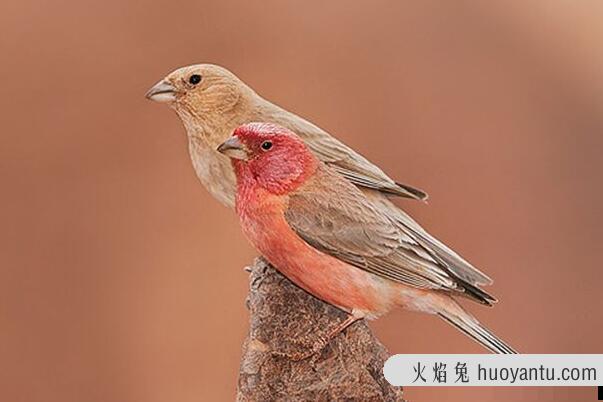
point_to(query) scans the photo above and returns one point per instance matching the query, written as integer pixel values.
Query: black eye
(266, 145)
(194, 79)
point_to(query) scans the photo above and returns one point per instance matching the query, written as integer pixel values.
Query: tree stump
(349, 368)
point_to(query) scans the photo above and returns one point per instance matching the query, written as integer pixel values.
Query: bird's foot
(314, 347)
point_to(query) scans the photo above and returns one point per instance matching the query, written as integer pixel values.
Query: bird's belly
(322, 275)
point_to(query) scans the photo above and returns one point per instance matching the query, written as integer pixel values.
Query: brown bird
(212, 102)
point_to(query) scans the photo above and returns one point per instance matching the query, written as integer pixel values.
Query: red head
(274, 157)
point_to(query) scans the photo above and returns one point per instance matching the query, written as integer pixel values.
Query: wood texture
(286, 319)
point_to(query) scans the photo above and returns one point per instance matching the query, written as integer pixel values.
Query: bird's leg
(322, 341)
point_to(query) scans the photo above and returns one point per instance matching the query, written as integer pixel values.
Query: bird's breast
(214, 170)
(322, 275)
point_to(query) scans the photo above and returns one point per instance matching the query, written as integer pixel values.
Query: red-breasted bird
(211, 102)
(326, 236)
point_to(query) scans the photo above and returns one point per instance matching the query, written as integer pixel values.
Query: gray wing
(334, 217)
(436, 249)
(342, 158)
(359, 170)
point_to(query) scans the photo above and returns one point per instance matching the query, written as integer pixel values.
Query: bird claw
(314, 348)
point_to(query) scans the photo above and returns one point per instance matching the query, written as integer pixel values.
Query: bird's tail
(455, 315)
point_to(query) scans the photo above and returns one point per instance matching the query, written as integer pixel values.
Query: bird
(328, 237)
(212, 102)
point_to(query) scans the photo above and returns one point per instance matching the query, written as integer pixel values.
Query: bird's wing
(456, 264)
(342, 158)
(358, 169)
(335, 217)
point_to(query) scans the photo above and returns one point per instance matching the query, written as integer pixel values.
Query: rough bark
(283, 318)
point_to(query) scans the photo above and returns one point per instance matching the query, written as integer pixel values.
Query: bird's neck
(205, 131)
(252, 199)
(212, 168)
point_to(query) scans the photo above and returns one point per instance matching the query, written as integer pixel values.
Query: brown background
(121, 280)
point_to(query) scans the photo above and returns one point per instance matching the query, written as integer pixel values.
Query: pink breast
(322, 275)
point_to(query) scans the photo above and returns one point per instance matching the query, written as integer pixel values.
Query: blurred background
(121, 279)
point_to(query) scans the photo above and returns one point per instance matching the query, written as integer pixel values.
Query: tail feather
(471, 327)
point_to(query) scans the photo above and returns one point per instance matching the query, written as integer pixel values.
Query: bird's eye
(194, 79)
(266, 145)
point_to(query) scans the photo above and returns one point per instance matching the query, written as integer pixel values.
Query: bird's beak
(234, 148)
(162, 92)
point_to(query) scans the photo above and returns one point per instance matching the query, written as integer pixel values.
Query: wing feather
(335, 217)
(333, 152)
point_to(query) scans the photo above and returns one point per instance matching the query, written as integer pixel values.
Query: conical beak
(162, 92)
(234, 148)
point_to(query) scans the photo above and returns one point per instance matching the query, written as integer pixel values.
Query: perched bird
(211, 102)
(327, 237)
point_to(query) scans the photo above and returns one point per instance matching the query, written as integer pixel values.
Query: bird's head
(203, 91)
(271, 155)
